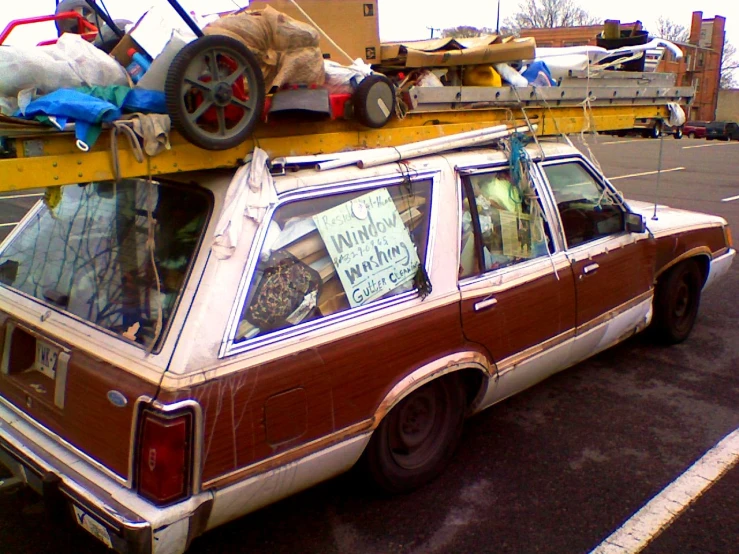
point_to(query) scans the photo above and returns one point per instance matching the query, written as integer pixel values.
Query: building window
(575, 43)
(700, 59)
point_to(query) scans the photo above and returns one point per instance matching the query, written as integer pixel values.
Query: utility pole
(497, 21)
(432, 29)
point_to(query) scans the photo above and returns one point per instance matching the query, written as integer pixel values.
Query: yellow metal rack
(33, 156)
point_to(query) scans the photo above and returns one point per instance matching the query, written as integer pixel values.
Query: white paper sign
(370, 247)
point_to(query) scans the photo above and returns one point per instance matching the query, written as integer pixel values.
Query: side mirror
(635, 223)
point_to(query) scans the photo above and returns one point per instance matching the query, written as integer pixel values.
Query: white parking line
(645, 173)
(730, 199)
(20, 196)
(9, 224)
(622, 141)
(708, 145)
(646, 524)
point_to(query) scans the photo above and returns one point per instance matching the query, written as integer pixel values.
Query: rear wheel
(676, 302)
(691, 135)
(417, 439)
(678, 133)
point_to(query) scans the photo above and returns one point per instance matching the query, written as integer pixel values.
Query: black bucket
(626, 39)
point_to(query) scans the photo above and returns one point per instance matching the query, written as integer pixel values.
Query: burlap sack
(287, 49)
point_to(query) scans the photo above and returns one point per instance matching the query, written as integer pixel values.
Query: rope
(150, 246)
(310, 20)
(528, 122)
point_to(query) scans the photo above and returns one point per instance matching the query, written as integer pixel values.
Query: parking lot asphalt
(555, 469)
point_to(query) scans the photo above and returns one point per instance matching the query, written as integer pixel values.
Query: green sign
(369, 245)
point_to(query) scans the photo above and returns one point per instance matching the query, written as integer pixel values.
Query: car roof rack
(35, 156)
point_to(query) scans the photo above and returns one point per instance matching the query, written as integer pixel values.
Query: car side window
(588, 210)
(333, 252)
(502, 223)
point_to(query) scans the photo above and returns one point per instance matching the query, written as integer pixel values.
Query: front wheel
(678, 133)
(416, 440)
(676, 302)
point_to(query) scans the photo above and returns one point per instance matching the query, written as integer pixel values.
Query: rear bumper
(102, 506)
(719, 267)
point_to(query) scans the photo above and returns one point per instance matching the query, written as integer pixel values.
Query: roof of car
(308, 176)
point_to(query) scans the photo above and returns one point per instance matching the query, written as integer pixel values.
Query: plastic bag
(428, 79)
(341, 79)
(71, 62)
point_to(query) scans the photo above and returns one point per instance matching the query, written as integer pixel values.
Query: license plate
(95, 528)
(46, 358)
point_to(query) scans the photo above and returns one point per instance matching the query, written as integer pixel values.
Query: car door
(613, 268)
(517, 290)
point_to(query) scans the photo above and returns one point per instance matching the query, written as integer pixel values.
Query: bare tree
(669, 30)
(729, 65)
(466, 31)
(550, 13)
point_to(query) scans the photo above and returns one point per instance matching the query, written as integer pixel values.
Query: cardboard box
(352, 24)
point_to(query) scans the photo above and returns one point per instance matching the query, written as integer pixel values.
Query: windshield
(113, 254)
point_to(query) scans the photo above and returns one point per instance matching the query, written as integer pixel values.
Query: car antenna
(659, 173)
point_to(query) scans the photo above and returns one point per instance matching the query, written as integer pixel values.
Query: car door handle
(487, 303)
(588, 269)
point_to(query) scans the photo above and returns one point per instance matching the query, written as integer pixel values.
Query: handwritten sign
(369, 246)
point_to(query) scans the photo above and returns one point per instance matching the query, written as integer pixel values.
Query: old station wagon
(168, 365)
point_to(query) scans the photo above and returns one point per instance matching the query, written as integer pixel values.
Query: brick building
(700, 65)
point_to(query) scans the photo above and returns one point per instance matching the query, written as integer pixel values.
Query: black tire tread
(390, 480)
(664, 328)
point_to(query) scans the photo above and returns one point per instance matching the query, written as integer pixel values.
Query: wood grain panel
(673, 246)
(525, 315)
(88, 421)
(623, 274)
(343, 383)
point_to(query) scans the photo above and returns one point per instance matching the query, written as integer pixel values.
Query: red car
(695, 129)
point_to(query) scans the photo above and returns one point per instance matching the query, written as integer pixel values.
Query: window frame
(545, 202)
(229, 346)
(598, 178)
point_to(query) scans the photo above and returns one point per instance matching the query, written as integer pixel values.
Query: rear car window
(113, 254)
(330, 253)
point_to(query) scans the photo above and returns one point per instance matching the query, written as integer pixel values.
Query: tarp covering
(287, 49)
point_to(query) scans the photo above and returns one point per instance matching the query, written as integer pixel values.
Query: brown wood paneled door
(612, 267)
(517, 292)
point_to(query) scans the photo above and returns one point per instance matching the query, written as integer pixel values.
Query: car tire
(678, 134)
(655, 131)
(416, 440)
(691, 135)
(676, 302)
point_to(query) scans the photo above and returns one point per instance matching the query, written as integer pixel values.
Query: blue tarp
(88, 111)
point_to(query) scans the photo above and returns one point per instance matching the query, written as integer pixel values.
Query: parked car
(695, 129)
(654, 128)
(722, 130)
(168, 364)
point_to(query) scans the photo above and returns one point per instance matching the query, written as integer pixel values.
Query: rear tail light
(729, 238)
(164, 464)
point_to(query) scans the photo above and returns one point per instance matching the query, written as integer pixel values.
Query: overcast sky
(410, 19)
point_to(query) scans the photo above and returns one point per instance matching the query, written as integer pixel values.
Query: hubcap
(222, 94)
